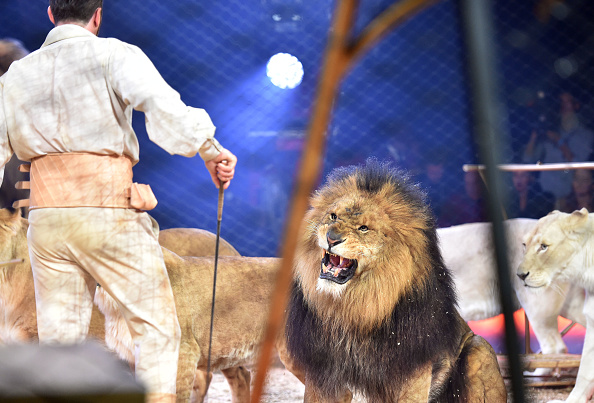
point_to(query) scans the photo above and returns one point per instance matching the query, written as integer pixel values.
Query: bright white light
(284, 70)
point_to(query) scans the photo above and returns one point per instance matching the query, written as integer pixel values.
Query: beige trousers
(72, 249)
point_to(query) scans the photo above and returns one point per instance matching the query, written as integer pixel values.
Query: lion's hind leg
(189, 354)
(201, 382)
(239, 383)
(479, 372)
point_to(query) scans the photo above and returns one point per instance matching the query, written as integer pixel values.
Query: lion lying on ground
(561, 247)
(373, 309)
(468, 251)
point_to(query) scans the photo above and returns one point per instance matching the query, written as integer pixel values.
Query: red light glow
(493, 331)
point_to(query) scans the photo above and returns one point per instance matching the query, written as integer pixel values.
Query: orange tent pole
(340, 55)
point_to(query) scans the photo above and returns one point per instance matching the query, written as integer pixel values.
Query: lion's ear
(578, 219)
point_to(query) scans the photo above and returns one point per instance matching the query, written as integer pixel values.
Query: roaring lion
(561, 247)
(373, 308)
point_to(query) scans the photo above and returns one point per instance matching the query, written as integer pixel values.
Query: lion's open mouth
(337, 268)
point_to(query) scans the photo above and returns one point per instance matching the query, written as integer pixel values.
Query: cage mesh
(405, 101)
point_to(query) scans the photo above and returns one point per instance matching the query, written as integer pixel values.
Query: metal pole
(479, 37)
(340, 54)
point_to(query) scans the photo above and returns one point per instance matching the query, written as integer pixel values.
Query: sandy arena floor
(283, 387)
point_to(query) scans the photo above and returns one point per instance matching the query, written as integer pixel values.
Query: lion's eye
(363, 228)
(524, 247)
(543, 247)
(333, 216)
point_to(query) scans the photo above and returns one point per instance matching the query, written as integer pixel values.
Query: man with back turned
(67, 108)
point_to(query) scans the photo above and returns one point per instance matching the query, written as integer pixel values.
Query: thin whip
(216, 261)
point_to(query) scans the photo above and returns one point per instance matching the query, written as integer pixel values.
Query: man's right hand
(222, 168)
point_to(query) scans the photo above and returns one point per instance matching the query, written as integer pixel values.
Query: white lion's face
(550, 248)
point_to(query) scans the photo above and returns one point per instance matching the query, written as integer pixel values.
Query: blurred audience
(581, 195)
(434, 180)
(468, 206)
(567, 141)
(527, 199)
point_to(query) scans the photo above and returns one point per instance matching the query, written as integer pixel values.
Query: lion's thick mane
(398, 312)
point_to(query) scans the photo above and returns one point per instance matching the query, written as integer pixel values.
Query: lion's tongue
(339, 262)
(334, 260)
(337, 269)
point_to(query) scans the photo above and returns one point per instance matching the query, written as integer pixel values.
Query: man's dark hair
(74, 10)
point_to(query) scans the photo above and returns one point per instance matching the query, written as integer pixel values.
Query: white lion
(561, 248)
(468, 251)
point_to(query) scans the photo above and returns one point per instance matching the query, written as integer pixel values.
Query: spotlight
(284, 70)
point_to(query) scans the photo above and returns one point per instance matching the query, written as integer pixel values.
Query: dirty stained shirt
(77, 93)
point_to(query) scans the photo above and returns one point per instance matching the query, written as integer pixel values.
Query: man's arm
(170, 123)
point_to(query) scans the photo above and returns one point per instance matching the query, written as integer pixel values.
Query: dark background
(406, 101)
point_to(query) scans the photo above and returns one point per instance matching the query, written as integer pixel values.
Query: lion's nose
(333, 238)
(523, 275)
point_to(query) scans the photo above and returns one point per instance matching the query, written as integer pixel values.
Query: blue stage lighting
(284, 70)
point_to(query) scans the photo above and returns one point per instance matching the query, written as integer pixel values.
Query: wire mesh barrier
(405, 101)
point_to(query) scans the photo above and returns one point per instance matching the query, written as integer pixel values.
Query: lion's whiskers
(558, 289)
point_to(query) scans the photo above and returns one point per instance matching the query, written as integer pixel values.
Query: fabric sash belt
(86, 180)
